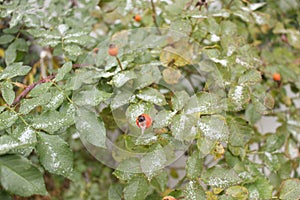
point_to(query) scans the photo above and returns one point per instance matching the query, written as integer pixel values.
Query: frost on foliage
(184, 127)
(52, 121)
(219, 177)
(56, 100)
(153, 96)
(7, 119)
(90, 96)
(153, 161)
(146, 139)
(223, 62)
(205, 103)
(239, 96)
(55, 154)
(121, 78)
(214, 128)
(7, 143)
(27, 136)
(120, 99)
(13, 70)
(194, 191)
(163, 118)
(19, 139)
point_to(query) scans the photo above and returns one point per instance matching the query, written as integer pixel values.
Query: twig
(154, 17)
(30, 87)
(119, 62)
(229, 4)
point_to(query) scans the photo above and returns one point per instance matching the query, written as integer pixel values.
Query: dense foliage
(206, 72)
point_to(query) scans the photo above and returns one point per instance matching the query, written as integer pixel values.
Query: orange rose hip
(137, 18)
(113, 50)
(143, 121)
(276, 77)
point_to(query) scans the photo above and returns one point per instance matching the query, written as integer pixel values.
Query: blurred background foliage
(228, 55)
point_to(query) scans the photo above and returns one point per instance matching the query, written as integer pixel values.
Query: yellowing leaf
(171, 76)
(174, 57)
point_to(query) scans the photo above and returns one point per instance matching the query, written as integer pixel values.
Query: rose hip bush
(202, 70)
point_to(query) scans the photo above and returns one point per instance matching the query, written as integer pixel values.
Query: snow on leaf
(153, 96)
(55, 154)
(214, 127)
(121, 78)
(153, 161)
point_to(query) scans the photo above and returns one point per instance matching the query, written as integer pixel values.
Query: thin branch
(154, 17)
(119, 62)
(30, 87)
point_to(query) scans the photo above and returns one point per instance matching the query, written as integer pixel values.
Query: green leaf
(159, 182)
(52, 121)
(7, 143)
(90, 127)
(10, 54)
(136, 189)
(28, 105)
(153, 96)
(147, 76)
(115, 192)
(294, 38)
(214, 127)
(7, 91)
(240, 131)
(80, 38)
(4, 195)
(260, 189)
(290, 189)
(128, 168)
(184, 127)
(193, 190)
(26, 139)
(66, 68)
(194, 165)
(40, 89)
(13, 70)
(220, 177)
(123, 77)
(274, 141)
(55, 154)
(179, 100)
(146, 139)
(90, 96)
(237, 192)
(121, 99)
(153, 161)
(163, 118)
(20, 177)
(56, 100)
(205, 103)
(251, 114)
(72, 50)
(7, 119)
(239, 96)
(250, 77)
(205, 145)
(5, 39)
